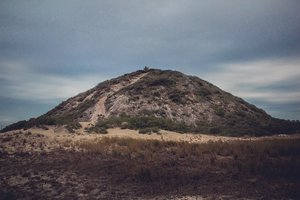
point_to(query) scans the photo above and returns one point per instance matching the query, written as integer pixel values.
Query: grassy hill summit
(152, 99)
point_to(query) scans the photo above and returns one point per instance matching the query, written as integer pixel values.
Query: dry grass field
(54, 164)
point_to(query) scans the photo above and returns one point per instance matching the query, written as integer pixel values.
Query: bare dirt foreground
(54, 164)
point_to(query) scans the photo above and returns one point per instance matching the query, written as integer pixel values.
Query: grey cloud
(123, 30)
(73, 39)
(288, 111)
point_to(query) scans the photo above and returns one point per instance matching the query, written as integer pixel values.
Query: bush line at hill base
(43, 121)
(145, 125)
(151, 124)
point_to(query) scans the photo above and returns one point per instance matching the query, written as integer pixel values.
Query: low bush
(146, 124)
(177, 96)
(220, 112)
(43, 120)
(72, 126)
(124, 125)
(96, 129)
(149, 130)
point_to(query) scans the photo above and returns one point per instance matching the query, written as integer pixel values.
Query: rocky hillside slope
(185, 99)
(155, 92)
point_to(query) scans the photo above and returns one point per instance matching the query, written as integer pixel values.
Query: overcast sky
(53, 50)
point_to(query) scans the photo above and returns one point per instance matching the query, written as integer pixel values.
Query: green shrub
(177, 96)
(86, 104)
(203, 92)
(157, 94)
(101, 130)
(15, 126)
(214, 130)
(145, 131)
(163, 81)
(143, 123)
(96, 129)
(220, 112)
(72, 126)
(45, 120)
(149, 130)
(241, 114)
(124, 125)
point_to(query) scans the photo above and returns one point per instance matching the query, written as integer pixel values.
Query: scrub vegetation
(171, 165)
(145, 124)
(270, 157)
(44, 120)
(35, 167)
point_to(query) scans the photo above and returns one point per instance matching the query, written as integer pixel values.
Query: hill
(153, 99)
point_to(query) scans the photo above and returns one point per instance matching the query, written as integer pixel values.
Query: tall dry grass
(163, 161)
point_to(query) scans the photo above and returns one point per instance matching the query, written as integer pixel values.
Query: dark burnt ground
(144, 175)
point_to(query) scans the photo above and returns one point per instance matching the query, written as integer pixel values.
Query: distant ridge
(197, 104)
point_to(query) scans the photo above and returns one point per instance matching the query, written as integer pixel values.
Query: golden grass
(270, 148)
(271, 156)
